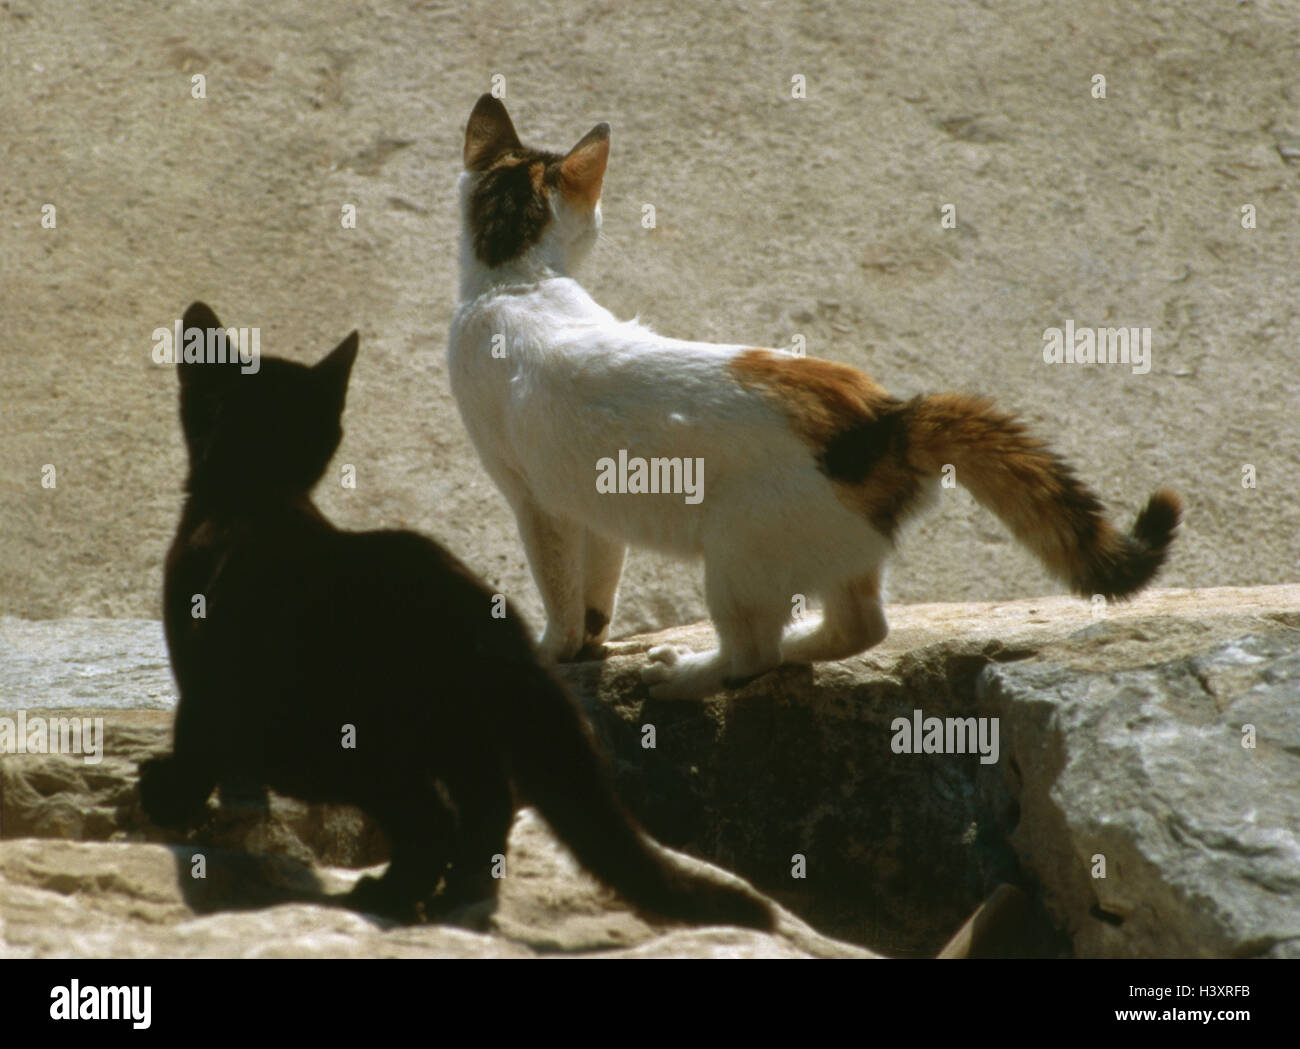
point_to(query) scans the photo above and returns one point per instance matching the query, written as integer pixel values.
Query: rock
(124, 888)
(900, 849)
(84, 662)
(1119, 735)
(993, 931)
(1146, 768)
(52, 796)
(132, 900)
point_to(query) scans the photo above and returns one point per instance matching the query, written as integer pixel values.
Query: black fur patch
(879, 443)
(852, 454)
(1124, 567)
(508, 212)
(596, 622)
(1083, 511)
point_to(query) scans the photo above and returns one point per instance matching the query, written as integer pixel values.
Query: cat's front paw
(559, 646)
(166, 796)
(591, 653)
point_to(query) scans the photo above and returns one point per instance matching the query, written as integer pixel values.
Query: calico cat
(809, 467)
(367, 668)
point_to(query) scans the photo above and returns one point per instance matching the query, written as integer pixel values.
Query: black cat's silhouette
(367, 668)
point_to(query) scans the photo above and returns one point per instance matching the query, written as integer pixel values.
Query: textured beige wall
(776, 216)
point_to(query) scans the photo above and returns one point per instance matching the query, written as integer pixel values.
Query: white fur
(577, 385)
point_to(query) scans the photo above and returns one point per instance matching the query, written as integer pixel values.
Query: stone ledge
(1117, 739)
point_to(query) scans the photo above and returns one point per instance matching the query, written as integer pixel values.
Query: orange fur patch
(1014, 475)
(878, 451)
(822, 399)
(582, 172)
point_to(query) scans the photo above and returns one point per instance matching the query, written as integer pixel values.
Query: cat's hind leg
(420, 829)
(602, 565)
(852, 621)
(554, 547)
(749, 622)
(485, 807)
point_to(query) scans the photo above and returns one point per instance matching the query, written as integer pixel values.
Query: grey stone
(1146, 767)
(57, 663)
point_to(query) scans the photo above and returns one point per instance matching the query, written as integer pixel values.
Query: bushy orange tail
(1037, 495)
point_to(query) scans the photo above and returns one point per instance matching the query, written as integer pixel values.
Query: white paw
(681, 674)
(662, 666)
(667, 654)
(557, 646)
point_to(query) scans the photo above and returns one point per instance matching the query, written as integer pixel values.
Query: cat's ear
(199, 315)
(488, 134)
(583, 170)
(333, 369)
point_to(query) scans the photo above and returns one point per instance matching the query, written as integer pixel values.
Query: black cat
(315, 638)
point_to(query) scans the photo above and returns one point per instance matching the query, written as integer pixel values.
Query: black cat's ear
(488, 134)
(583, 170)
(335, 368)
(199, 316)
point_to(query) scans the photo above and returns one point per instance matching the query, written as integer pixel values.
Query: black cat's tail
(559, 768)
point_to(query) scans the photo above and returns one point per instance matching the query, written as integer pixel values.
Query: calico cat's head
(261, 434)
(516, 200)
